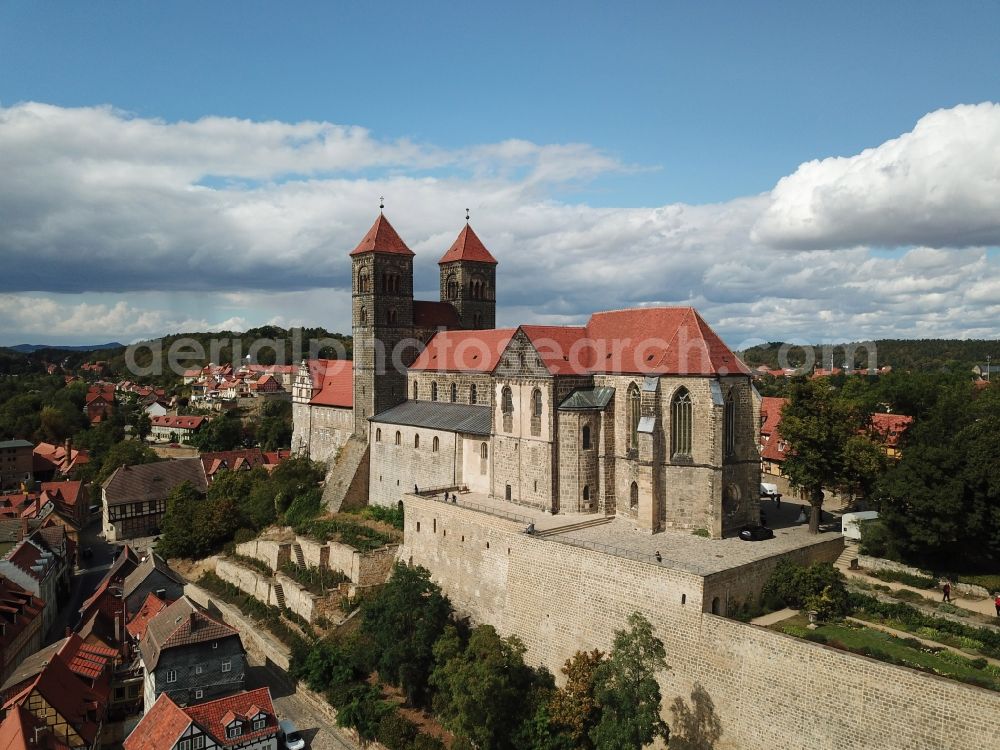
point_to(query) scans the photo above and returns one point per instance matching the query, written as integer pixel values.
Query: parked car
(290, 736)
(756, 533)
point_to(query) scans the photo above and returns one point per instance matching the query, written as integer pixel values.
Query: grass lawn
(885, 647)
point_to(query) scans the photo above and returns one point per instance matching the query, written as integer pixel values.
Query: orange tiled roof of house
(890, 427)
(151, 607)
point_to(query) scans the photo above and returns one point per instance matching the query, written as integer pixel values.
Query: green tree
(481, 689)
(177, 527)
(274, 433)
(142, 425)
(125, 453)
(404, 620)
(574, 707)
(818, 427)
(626, 689)
(224, 433)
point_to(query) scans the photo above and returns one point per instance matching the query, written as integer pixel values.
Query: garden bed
(318, 581)
(358, 533)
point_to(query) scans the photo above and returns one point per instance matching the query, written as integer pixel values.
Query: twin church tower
(385, 316)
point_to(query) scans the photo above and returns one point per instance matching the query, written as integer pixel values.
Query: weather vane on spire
(466, 214)
(381, 203)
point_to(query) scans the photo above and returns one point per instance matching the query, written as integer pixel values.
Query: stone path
(772, 617)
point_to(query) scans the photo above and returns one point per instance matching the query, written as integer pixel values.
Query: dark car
(756, 533)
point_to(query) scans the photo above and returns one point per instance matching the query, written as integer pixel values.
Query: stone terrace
(525, 514)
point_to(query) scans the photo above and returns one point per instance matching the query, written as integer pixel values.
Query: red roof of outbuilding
(382, 238)
(464, 351)
(467, 246)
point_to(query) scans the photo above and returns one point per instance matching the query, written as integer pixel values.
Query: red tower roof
(382, 238)
(468, 247)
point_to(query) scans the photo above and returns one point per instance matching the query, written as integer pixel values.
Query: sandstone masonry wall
(766, 689)
(261, 587)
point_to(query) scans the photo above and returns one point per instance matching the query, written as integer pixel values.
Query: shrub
(907, 595)
(819, 586)
(951, 609)
(318, 581)
(875, 539)
(701, 532)
(390, 515)
(978, 663)
(396, 732)
(426, 742)
(244, 535)
(918, 582)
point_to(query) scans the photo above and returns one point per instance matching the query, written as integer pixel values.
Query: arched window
(477, 320)
(378, 435)
(454, 393)
(586, 493)
(729, 424)
(586, 437)
(362, 282)
(484, 451)
(416, 441)
(633, 496)
(434, 390)
(452, 286)
(680, 423)
(399, 438)
(363, 314)
(435, 444)
(507, 401)
(634, 409)
(392, 317)
(536, 403)
(416, 390)
(506, 495)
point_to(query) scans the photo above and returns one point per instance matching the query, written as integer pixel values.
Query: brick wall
(767, 690)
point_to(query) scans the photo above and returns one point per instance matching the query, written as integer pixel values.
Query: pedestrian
(659, 558)
(416, 490)
(947, 592)
(996, 603)
(777, 500)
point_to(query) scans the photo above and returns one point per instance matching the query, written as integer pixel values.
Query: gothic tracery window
(681, 423)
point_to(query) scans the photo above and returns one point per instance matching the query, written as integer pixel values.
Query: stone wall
(270, 551)
(373, 568)
(320, 429)
(261, 587)
(396, 468)
(765, 689)
(363, 568)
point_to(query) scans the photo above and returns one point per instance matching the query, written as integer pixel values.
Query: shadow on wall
(694, 727)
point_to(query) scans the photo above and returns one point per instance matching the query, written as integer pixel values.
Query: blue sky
(667, 104)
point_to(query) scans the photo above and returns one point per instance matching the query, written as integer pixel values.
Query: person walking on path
(996, 603)
(947, 592)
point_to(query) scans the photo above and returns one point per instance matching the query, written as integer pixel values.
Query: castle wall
(462, 380)
(321, 430)
(396, 468)
(766, 689)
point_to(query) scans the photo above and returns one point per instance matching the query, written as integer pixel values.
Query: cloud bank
(118, 226)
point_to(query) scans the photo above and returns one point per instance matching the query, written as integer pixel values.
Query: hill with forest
(900, 354)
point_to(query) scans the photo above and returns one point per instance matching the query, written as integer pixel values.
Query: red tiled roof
(186, 423)
(180, 624)
(468, 247)
(428, 314)
(22, 730)
(27, 554)
(770, 412)
(335, 380)
(556, 346)
(160, 728)
(66, 492)
(213, 716)
(18, 609)
(464, 351)
(150, 608)
(382, 238)
(890, 427)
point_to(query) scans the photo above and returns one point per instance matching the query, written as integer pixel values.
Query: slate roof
(130, 484)
(16, 444)
(468, 247)
(153, 562)
(182, 623)
(587, 399)
(382, 238)
(439, 415)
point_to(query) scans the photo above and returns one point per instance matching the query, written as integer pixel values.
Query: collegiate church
(641, 413)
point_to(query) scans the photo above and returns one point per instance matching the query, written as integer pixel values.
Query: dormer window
(259, 723)
(234, 730)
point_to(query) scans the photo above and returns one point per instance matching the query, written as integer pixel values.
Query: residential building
(245, 720)
(20, 625)
(772, 446)
(53, 462)
(16, 463)
(888, 429)
(39, 568)
(100, 402)
(151, 576)
(243, 459)
(174, 429)
(134, 498)
(190, 655)
(71, 500)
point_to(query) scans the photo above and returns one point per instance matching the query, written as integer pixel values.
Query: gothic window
(452, 287)
(416, 441)
(536, 403)
(633, 496)
(586, 437)
(634, 410)
(729, 425)
(472, 393)
(435, 444)
(454, 393)
(416, 390)
(507, 401)
(484, 451)
(399, 438)
(680, 423)
(586, 494)
(378, 435)
(363, 315)
(434, 390)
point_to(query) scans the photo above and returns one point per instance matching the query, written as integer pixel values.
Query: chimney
(68, 447)
(194, 621)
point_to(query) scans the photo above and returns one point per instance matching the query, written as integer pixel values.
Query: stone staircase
(575, 526)
(279, 594)
(297, 557)
(850, 553)
(347, 477)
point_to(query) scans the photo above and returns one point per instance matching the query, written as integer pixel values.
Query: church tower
(468, 280)
(382, 316)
